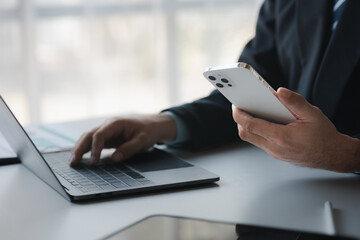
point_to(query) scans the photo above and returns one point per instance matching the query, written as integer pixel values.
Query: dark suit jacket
(294, 47)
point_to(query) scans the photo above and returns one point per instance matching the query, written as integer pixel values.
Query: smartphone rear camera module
(212, 78)
(219, 85)
(224, 80)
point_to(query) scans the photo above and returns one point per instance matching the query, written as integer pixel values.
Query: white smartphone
(247, 90)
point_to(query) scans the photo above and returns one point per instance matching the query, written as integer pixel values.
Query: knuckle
(97, 136)
(238, 115)
(243, 134)
(118, 122)
(142, 140)
(142, 136)
(112, 123)
(248, 126)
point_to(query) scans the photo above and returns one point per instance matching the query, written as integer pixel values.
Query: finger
(128, 149)
(268, 146)
(101, 139)
(296, 103)
(256, 126)
(82, 146)
(97, 146)
(253, 138)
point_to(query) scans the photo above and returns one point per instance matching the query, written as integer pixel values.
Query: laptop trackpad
(155, 160)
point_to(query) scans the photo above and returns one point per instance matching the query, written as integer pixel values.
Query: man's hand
(312, 140)
(127, 135)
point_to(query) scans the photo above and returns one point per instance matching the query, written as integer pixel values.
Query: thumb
(128, 149)
(296, 103)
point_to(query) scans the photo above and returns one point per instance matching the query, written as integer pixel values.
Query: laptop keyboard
(96, 178)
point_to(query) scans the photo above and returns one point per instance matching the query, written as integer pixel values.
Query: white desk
(254, 188)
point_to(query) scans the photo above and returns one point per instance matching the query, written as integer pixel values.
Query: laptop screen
(25, 149)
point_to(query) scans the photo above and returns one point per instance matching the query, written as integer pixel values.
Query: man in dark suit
(310, 47)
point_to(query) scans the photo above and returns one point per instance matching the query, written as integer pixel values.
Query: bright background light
(63, 60)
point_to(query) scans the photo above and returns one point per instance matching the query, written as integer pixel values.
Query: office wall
(71, 59)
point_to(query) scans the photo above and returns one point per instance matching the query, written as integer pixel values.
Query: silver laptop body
(151, 170)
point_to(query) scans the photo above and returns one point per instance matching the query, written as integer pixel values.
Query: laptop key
(119, 185)
(143, 180)
(107, 187)
(107, 178)
(113, 180)
(86, 184)
(93, 187)
(119, 175)
(100, 181)
(134, 175)
(99, 177)
(130, 182)
(84, 190)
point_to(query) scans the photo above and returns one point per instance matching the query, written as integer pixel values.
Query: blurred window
(70, 59)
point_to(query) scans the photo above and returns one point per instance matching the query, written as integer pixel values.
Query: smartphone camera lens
(219, 85)
(229, 85)
(212, 78)
(224, 80)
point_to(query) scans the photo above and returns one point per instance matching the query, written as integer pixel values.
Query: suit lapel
(313, 28)
(340, 58)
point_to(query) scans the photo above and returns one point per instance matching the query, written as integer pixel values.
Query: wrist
(165, 127)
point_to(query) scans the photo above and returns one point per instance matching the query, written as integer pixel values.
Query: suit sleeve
(209, 120)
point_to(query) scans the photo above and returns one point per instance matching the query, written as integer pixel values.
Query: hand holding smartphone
(247, 90)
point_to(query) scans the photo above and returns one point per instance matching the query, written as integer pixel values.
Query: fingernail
(118, 157)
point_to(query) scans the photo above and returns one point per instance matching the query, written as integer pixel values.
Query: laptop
(152, 170)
